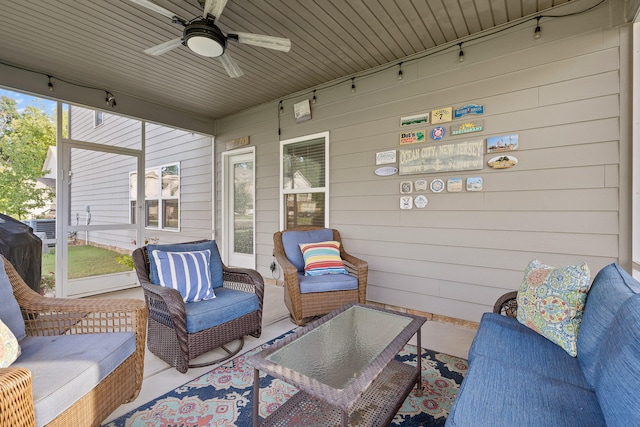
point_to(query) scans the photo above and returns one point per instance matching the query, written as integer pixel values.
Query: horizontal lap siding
(561, 203)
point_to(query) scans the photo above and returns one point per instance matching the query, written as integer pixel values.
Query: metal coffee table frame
(372, 398)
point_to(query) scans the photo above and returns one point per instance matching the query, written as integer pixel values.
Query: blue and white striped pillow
(186, 272)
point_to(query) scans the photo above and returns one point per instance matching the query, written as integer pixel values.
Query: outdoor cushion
(9, 309)
(66, 367)
(229, 304)
(619, 368)
(291, 241)
(215, 264)
(322, 258)
(186, 272)
(497, 394)
(9, 347)
(526, 349)
(611, 288)
(551, 301)
(333, 282)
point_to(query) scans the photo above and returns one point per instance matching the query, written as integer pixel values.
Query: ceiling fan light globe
(205, 46)
(204, 38)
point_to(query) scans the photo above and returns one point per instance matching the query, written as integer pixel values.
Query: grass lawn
(86, 261)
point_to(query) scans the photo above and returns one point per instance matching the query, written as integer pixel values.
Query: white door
(238, 208)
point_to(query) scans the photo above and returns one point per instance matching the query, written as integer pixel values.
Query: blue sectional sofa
(519, 378)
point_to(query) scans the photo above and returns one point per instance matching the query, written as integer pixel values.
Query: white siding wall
(568, 199)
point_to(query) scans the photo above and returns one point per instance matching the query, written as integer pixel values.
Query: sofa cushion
(291, 242)
(9, 309)
(498, 394)
(9, 347)
(229, 304)
(618, 371)
(215, 264)
(186, 272)
(610, 289)
(66, 367)
(506, 340)
(333, 282)
(551, 301)
(322, 258)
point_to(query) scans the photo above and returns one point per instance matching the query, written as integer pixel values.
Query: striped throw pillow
(322, 258)
(186, 272)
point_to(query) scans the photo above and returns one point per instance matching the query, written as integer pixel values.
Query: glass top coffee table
(343, 364)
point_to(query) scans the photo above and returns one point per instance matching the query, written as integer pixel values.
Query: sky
(24, 100)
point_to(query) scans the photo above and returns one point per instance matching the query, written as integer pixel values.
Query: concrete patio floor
(160, 378)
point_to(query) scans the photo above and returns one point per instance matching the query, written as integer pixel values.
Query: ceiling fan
(203, 36)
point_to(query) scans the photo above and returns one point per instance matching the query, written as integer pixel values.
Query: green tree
(25, 139)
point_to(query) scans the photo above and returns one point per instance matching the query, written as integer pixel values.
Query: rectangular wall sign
(467, 127)
(238, 142)
(414, 137)
(386, 157)
(457, 156)
(468, 109)
(441, 115)
(414, 120)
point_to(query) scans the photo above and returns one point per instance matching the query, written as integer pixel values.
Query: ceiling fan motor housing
(205, 38)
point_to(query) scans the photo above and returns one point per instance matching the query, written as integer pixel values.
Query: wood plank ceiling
(101, 43)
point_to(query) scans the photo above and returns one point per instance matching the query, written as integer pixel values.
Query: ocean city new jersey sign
(456, 156)
(468, 109)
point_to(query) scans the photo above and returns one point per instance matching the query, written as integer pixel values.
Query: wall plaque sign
(441, 115)
(421, 184)
(406, 202)
(238, 142)
(437, 133)
(456, 156)
(467, 127)
(454, 185)
(496, 144)
(468, 109)
(421, 201)
(385, 157)
(474, 183)
(502, 162)
(406, 187)
(386, 171)
(414, 137)
(437, 185)
(414, 120)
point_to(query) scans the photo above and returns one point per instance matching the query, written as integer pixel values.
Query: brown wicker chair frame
(52, 316)
(507, 304)
(307, 306)
(167, 335)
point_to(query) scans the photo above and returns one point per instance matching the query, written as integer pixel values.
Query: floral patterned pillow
(551, 301)
(9, 347)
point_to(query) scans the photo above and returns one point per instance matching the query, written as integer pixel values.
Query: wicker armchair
(507, 304)
(168, 337)
(303, 306)
(53, 316)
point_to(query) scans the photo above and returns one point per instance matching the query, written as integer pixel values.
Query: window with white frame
(98, 118)
(304, 177)
(162, 197)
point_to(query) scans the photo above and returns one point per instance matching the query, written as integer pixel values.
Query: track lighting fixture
(536, 33)
(353, 85)
(400, 71)
(314, 99)
(110, 100)
(461, 53)
(50, 84)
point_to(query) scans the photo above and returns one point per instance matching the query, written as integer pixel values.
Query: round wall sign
(437, 185)
(420, 201)
(438, 133)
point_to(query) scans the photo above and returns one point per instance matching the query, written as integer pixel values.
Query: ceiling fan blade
(164, 47)
(230, 65)
(270, 42)
(154, 7)
(208, 7)
(218, 7)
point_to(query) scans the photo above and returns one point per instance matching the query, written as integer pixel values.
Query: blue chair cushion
(9, 309)
(215, 264)
(229, 304)
(291, 241)
(66, 367)
(327, 282)
(186, 272)
(506, 340)
(494, 393)
(618, 374)
(610, 289)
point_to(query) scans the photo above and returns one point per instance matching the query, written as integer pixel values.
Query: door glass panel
(243, 207)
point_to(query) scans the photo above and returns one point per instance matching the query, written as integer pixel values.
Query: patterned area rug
(223, 396)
